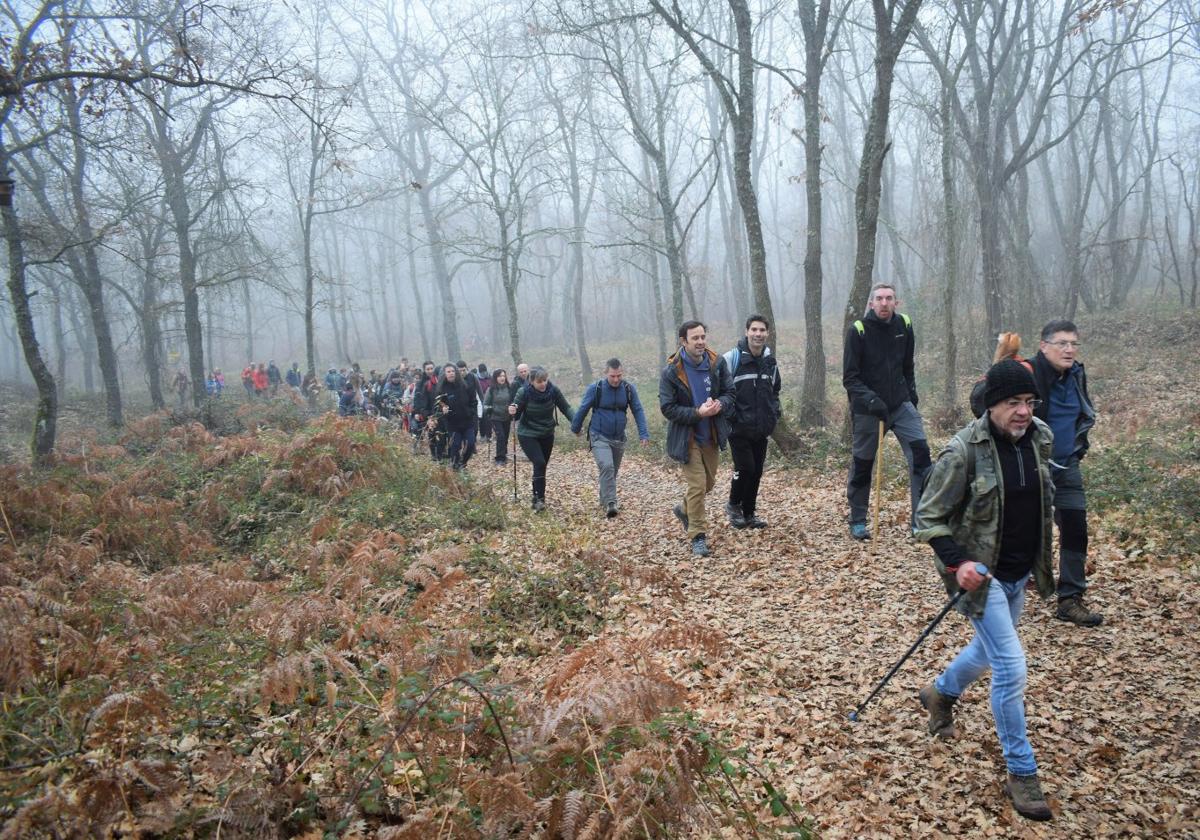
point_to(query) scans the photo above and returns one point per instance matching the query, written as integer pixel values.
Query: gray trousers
(608, 454)
(905, 423)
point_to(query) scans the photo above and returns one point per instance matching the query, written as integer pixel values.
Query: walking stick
(981, 569)
(512, 431)
(878, 486)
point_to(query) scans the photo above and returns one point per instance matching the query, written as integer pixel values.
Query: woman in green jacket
(534, 408)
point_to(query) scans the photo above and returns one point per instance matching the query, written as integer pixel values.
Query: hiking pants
(537, 450)
(700, 473)
(749, 458)
(997, 646)
(608, 453)
(905, 424)
(1070, 512)
(500, 428)
(462, 445)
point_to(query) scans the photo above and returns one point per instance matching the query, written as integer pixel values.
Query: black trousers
(500, 433)
(749, 458)
(537, 450)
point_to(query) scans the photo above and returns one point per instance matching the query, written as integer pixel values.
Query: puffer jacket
(676, 404)
(495, 404)
(535, 410)
(962, 500)
(461, 401)
(756, 385)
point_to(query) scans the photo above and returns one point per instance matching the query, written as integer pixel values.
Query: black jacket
(1045, 375)
(461, 400)
(423, 397)
(756, 385)
(878, 363)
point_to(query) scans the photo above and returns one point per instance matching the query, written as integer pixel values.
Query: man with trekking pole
(989, 499)
(877, 373)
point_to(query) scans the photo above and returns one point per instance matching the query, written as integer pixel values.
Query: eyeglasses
(1063, 345)
(1014, 403)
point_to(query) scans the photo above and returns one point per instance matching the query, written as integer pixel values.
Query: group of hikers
(987, 506)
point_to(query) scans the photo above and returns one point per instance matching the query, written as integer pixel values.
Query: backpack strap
(907, 321)
(733, 358)
(861, 327)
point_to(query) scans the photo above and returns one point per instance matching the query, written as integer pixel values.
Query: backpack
(980, 387)
(596, 402)
(862, 329)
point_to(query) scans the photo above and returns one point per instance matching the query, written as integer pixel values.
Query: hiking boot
(681, 516)
(612, 510)
(700, 546)
(734, 513)
(859, 531)
(1027, 797)
(941, 712)
(539, 504)
(1072, 610)
(755, 522)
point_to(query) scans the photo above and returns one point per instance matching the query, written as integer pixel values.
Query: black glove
(912, 398)
(877, 408)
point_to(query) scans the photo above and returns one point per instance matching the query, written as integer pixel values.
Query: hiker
(274, 377)
(181, 383)
(988, 499)
(248, 379)
(424, 408)
(485, 382)
(609, 400)
(495, 409)
(293, 377)
(695, 394)
(261, 383)
(756, 410)
(877, 372)
(533, 409)
(1008, 346)
(457, 415)
(1067, 408)
(522, 376)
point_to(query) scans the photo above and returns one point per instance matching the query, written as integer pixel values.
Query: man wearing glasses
(1067, 409)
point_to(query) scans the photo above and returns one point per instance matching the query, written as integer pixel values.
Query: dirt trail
(812, 620)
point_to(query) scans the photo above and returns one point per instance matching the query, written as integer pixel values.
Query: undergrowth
(314, 633)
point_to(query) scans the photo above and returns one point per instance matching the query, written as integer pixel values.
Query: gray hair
(538, 374)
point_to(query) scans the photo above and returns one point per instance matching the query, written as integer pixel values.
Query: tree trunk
(46, 416)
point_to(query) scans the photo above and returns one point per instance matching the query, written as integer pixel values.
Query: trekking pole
(878, 488)
(513, 432)
(981, 569)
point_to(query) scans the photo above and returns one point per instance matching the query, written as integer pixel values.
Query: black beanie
(1008, 379)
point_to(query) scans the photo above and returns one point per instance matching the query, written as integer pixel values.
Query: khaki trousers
(700, 473)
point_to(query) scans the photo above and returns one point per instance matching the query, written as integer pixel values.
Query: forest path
(810, 620)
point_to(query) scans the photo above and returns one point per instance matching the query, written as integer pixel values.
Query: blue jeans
(997, 646)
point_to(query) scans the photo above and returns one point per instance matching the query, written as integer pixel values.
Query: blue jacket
(609, 406)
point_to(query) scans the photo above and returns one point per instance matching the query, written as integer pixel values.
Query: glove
(877, 408)
(912, 398)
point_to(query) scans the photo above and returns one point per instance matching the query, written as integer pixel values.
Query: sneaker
(700, 546)
(611, 512)
(1072, 610)
(1027, 797)
(680, 515)
(539, 504)
(941, 712)
(734, 513)
(755, 522)
(859, 531)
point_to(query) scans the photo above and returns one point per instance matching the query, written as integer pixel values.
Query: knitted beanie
(1006, 379)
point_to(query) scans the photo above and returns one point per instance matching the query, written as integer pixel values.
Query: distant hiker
(533, 409)
(261, 383)
(1067, 408)
(274, 378)
(695, 394)
(609, 400)
(351, 401)
(877, 372)
(988, 500)
(248, 379)
(424, 408)
(756, 410)
(495, 408)
(181, 384)
(458, 414)
(522, 376)
(485, 382)
(309, 387)
(293, 377)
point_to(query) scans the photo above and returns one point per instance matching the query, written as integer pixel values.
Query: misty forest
(239, 598)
